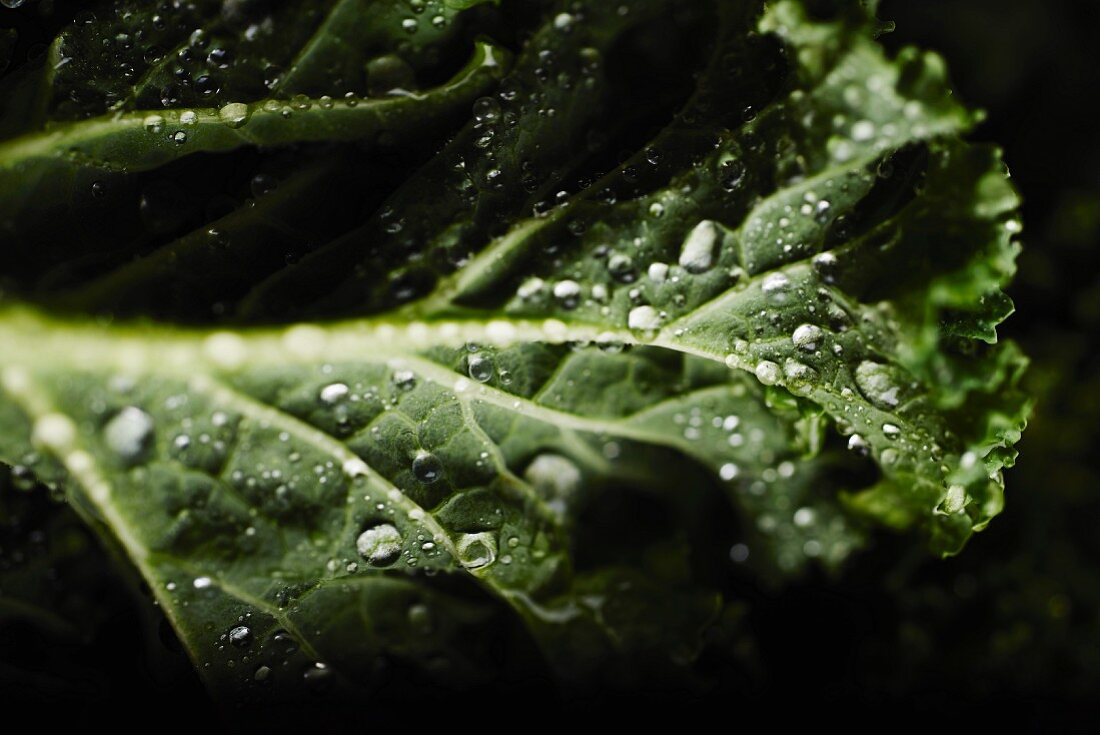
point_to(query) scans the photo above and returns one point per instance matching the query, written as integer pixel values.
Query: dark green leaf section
(137, 56)
(142, 140)
(350, 487)
(827, 245)
(695, 284)
(554, 113)
(31, 166)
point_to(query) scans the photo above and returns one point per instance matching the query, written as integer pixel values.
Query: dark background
(1010, 629)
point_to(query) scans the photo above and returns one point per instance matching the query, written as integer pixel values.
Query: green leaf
(523, 380)
(143, 140)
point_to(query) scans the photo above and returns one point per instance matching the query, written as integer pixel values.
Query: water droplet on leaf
(480, 368)
(129, 434)
(567, 293)
(807, 337)
(644, 319)
(334, 393)
(240, 636)
(477, 550)
(768, 372)
(427, 468)
(877, 383)
(697, 254)
(380, 545)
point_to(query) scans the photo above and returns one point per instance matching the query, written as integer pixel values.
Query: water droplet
(644, 319)
(774, 283)
(154, 124)
(531, 288)
(171, 95)
(768, 372)
(891, 431)
(657, 272)
(201, 583)
(129, 433)
(404, 379)
(877, 383)
(240, 636)
(179, 137)
(235, 114)
(263, 673)
(608, 342)
(334, 393)
(807, 337)
(858, 444)
(732, 175)
(621, 267)
(487, 110)
(380, 545)
(825, 264)
(697, 254)
(739, 553)
(476, 550)
(220, 57)
(568, 293)
(480, 368)
(729, 471)
(427, 468)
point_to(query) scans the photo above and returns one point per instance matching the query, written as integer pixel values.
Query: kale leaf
(389, 331)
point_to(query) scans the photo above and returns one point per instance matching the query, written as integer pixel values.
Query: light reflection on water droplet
(477, 550)
(427, 468)
(380, 545)
(129, 434)
(240, 636)
(334, 392)
(235, 114)
(480, 368)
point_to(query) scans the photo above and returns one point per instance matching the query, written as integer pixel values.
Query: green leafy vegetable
(354, 363)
